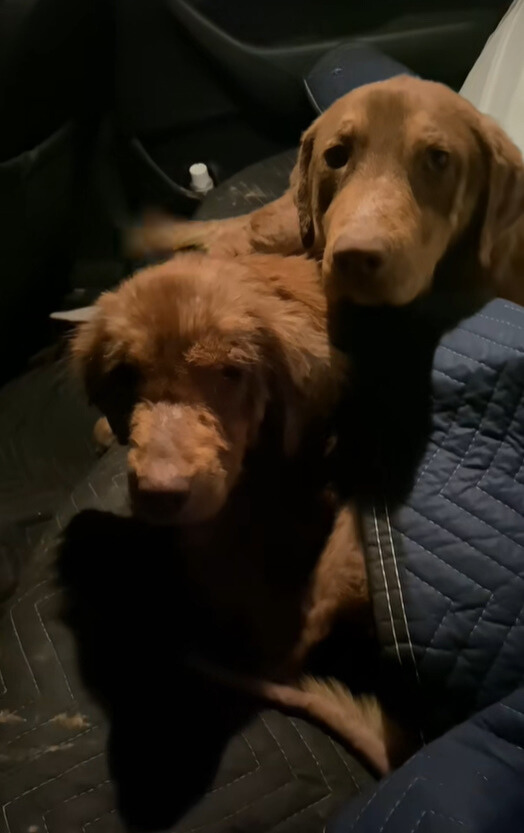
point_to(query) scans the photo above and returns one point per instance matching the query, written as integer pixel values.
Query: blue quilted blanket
(447, 573)
(447, 569)
(469, 781)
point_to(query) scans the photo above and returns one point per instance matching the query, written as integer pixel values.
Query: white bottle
(201, 181)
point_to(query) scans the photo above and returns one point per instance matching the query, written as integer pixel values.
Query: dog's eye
(438, 159)
(232, 372)
(337, 156)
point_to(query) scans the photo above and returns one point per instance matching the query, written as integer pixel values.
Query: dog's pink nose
(358, 257)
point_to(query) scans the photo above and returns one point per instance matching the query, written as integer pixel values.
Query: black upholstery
(249, 189)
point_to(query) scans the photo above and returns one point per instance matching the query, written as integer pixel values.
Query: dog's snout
(358, 257)
(175, 488)
(159, 493)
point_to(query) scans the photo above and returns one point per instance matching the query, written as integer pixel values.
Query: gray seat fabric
(106, 635)
(45, 448)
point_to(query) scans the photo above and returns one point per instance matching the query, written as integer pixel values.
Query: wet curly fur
(219, 375)
(188, 359)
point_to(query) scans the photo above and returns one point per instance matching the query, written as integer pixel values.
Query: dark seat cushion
(248, 190)
(45, 448)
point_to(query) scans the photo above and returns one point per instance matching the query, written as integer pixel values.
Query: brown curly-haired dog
(187, 359)
(220, 376)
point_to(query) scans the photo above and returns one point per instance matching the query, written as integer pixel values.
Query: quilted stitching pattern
(460, 539)
(276, 773)
(45, 448)
(469, 780)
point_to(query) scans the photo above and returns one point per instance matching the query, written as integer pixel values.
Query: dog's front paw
(103, 435)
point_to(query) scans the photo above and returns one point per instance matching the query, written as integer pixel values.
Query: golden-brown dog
(216, 372)
(390, 180)
(184, 360)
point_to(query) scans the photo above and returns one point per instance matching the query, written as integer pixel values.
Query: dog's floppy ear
(90, 348)
(97, 358)
(505, 189)
(302, 188)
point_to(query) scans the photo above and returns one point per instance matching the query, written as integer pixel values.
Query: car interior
(104, 108)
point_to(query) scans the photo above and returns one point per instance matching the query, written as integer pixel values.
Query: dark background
(104, 105)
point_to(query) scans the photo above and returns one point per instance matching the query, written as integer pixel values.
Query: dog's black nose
(357, 257)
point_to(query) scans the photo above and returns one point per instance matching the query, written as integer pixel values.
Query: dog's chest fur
(248, 571)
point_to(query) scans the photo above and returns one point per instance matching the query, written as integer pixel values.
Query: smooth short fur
(389, 181)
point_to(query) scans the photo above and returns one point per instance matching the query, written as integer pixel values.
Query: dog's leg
(272, 229)
(338, 589)
(103, 435)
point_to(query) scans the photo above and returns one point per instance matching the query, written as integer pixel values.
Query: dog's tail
(358, 721)
(159, 234)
